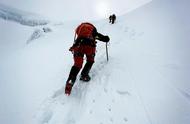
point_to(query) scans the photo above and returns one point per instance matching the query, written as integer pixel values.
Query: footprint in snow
(185, 94)
(125, 119)
(123, 92)
(46, 117)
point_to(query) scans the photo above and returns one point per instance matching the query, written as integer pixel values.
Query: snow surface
(145, 81)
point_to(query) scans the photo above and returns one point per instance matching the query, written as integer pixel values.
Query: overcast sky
(75, 9)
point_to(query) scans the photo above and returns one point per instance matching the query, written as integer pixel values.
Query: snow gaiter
(73, 74)
(87, 68)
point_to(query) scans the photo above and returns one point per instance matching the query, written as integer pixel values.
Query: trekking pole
(107, 51)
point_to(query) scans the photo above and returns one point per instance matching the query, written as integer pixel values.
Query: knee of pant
(78, 61)
(90, 58)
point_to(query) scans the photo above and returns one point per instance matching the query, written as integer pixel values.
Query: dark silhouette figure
(112, 18)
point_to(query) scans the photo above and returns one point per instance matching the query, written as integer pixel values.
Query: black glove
(106, 38)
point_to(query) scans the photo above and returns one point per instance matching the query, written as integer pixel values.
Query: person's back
(113, 18)
(85, 30)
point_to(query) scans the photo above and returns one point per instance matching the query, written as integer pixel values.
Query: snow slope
(145, 80)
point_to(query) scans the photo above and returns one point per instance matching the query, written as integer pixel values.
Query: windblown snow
(145, 81)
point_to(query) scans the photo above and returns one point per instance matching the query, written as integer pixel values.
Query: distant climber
(112, 18)
(84, 44)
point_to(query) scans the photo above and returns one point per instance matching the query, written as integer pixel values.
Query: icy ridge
(24, 18)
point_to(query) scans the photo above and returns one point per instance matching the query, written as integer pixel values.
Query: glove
(106, 38)
(71, 49)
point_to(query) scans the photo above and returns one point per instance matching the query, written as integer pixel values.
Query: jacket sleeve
(99, 36)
